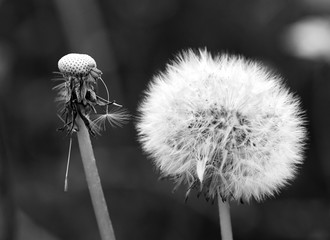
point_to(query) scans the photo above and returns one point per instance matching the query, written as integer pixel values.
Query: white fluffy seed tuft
(222, 125)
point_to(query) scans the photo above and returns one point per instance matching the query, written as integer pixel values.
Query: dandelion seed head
(222, 124)
(76, 64)
(78, 96)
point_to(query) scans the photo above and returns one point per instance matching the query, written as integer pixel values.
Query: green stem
(225, 222)
(94, 183)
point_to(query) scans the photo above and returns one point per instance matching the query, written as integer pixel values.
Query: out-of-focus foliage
(131, 41)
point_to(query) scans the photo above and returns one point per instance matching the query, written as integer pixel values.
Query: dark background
(131, 40)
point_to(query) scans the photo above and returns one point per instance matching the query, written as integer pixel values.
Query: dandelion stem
(94, 183)
(225, 222)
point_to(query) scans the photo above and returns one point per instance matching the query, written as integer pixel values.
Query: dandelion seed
(224, 122)
(116, 118)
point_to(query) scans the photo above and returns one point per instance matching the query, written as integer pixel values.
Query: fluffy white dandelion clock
(223, 125)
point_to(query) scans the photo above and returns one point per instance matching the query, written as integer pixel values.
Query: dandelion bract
(222, 125)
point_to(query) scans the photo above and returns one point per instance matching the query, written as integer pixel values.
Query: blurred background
(132, 40)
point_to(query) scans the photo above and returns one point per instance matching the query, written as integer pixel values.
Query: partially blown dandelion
(223, 125)
(77, 94)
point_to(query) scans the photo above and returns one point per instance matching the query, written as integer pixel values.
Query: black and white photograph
(165, 120)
